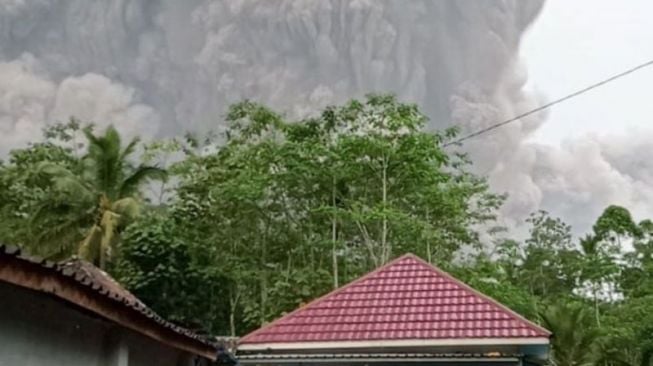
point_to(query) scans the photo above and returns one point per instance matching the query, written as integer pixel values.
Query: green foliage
(590, 292)
(60, 203)
(614, 223)
(169, 274)
(26, 192)
(636, 277)
(550, 261)
(628, 329)
(324, 200)
(577, 339)
(491, 278)
(279, 212)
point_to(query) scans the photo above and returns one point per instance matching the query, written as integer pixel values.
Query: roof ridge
(352, 299)
(439, 271)
(330, 293)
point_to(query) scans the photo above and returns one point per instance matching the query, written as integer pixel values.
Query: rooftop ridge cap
(338, 290)
(492, 301)
(397, 265)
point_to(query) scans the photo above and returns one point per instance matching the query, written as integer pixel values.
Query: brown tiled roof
(83, 270)
(79, 275)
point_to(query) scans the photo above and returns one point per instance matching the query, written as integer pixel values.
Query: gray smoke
(188, 60)
(160, 67)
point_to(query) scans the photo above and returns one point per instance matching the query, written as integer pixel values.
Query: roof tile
(85, 274)
(405, 299)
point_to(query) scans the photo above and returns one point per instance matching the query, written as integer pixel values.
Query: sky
(165, 67)
(576, 43)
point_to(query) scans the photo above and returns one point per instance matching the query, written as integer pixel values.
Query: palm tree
(97, 201)
(576, 340)
(646, 354)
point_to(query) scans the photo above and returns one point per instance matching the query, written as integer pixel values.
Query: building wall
(39, 330)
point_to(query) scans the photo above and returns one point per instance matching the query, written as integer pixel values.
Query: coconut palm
(618, 354)
(576, 340)
(646, 354)
(95, 202)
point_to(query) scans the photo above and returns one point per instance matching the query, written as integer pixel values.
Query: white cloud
(30, 100)
(93, 97)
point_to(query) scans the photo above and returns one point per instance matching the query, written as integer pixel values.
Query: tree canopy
(228, 232)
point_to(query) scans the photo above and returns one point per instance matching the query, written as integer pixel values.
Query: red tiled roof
(407, 299)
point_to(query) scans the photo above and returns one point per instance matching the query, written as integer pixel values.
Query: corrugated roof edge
(537, 328)
(87, 284)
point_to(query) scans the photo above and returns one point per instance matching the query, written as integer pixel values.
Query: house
(406, 312)
(73, 313)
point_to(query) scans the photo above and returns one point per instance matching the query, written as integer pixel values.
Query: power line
(547, 105)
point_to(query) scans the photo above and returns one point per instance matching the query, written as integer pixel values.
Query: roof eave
(385, 344)
(366, 359)
(39, 277)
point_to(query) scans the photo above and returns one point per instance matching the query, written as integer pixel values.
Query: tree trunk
(385, 256)
(263, 277)
(232, 323)
(596, 307)
(334, 235)
(232, 315)
(369, 244)
(428, 240)
(543, 282)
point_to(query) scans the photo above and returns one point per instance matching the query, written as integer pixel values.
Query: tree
(598, 271)
(299, 207)
(628, 330)
(395, 182)
(576, 341)
(169, 273)
(614, 225)
(101, 198)
(636, 278)
(601, 252)
(23, 189)
(550, 265)
(493, 278)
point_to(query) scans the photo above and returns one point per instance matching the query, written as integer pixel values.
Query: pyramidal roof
(405, 300)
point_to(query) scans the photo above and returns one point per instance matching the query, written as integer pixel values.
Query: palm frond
(128, 208)
(55, 227)
(54, 171)
(104, 157)
(130, 148)
(575, 340)
(90, 208)
(90, 136)
(142, 174)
